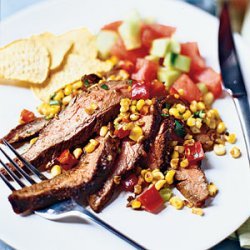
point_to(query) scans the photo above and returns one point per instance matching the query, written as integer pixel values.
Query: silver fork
(60, 210)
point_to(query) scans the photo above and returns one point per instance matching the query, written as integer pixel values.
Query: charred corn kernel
(193, 106)
(103, 131)
(66, 100)
(148, 102)
(140, 104)
(54, 110)
(181, 108)
(135, 204)
(176, 202)
(59, 96)
(68, 89)
(188, 137)
(173, 143)
(143, 172)
(134, 117)
(77, 85)
(235, 152)
(135, 133)
(179, 149)
(94, 142)
(219, 149)
(212, 124)
(160, 184)
(198, 123)
(157, 175)
(181, 92)
(137, 189)
(186, 115)
(191, 121)
(184, 163)
(197, 211)
(55, 170)
(77, 153)
(117, 179)
(169, 177)
(200, 106)
(221, 128)
(33, 140)
(195, 130)
(212, 189)
(174, 112)
(175, 155)
(148, 177)
(128, 126)
(208, 98)
(174, 163)
(133, 109)
(231, 138)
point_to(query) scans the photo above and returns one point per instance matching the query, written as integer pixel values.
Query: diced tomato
(191, 50)
(112, 26)
(194, 153)
(157, 89)
(145, 70)
(151, 200)
(26, 116)
(149, 32)
(67, 160)
(121, 133)
(129, 183)
(140, 90)
(211, 79)
(120, 51)
(191, 91)
(127, 66)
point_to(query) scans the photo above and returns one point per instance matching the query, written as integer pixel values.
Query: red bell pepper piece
(194, 153)
(140, 90)
(67, 160)
(121, 133)
(27, 116)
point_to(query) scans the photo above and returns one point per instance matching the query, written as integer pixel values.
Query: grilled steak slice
(25, 131)
(192, 184)
(75, 125)
(131, 154)
(160, 150)
(87, 177)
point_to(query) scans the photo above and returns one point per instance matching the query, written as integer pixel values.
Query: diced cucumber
(104, 42)
(168, 76)
(152, 58)
(130, 31)
(177, 61)
(160, 47)
(202, 87)
(175, 47)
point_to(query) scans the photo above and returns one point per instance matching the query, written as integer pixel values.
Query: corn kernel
(195, 130)
(176, 96)
(54, 110)
(216, 113)
(143, 172)
(148, 177)
(135, 204)
(77, 85)
(55, 170)
(188, 137)
(197, 211)
(128, 126)
(44, 109)
(117, 179)
(148, 102)
(181, 92)
(89, 110)
(157, 175)
(200, 106)
(140, 104)
(231, 138)
(198, 123)
(125, 101)
(189, 142)
(221, 128)
(176, 202)
(77, 153)
(137, 189)
(173, 143)
(135, 133)
(33, 140)
(191, 121)
(103, 131)
(175, 155)
(133, 109)
(134, 102)
(91, 146)
(181, 108)
(193, 106)
(235, 152)
(212, 124)
(208, 98)
(94, 106)
(179, 149)
(169, 177)
(186, 115)
(207, 121)
(212, 189)
(219, 149)
(156, 170)
(68, 89)
(174, 163)
(94, 142)
(59, 96)
(184, 163)
(174, 112)
(66, 100)
(160, 184)
(123, 74)
(124, 108)
(134, 117)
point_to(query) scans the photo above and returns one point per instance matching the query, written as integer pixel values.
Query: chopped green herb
(165, 115)
(199, 114)
(167, 105)
(54, 102)
(130, 82)
(179, 129)
(52, 96)
(86, 83)
(105, 86)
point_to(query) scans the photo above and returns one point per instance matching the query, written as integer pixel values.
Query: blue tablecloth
(9, 7)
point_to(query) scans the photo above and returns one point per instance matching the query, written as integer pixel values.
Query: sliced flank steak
(86, 177)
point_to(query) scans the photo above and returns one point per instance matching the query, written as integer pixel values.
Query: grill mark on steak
(87, 177)
(74, 126)
(25, 131)
(193, 185)
(131, 154)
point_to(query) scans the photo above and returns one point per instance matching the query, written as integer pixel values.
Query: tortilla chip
(74, 68)
(24, 60)
(57, 46)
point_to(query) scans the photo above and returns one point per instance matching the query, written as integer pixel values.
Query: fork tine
(19, 170)
(7, 182)
(26, 163)
(12, 174)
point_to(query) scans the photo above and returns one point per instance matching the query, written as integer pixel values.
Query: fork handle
(112, 230)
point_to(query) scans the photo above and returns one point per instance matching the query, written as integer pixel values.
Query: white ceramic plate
(170, 229)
